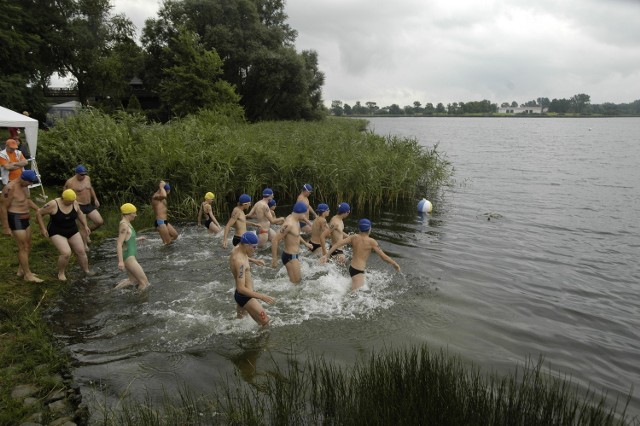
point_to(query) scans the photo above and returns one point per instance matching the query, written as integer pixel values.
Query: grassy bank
(401, 387)
(212, 152)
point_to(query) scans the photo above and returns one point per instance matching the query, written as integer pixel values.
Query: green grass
(212, 152)
(399, 387)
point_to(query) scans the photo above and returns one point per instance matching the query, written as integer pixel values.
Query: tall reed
(217, 151)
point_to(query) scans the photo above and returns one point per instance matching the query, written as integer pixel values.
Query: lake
(532, 251)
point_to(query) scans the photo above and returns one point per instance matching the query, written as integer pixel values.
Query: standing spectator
(12, 161)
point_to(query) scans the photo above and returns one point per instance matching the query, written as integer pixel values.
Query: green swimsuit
(130, 247)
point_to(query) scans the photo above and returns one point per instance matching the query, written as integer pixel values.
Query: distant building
(522, 110)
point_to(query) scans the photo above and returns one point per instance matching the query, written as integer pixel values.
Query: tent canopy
(10, 118)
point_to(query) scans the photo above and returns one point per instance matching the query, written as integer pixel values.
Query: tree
(543, 102)
(440, 108)
(514, 104)
(580, 103)
(336, 108)
(560, 106)
(530, 104)
(347, 109)
(371, 107)
(394, 109)
(429, 109)
(257, 47)
(193, 81)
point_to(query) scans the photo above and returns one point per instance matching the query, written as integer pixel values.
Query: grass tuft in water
(412, 386)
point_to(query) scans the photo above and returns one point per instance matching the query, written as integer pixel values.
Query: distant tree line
(194, 54)
(577, 104)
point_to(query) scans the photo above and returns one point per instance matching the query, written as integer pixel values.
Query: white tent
(10, 118)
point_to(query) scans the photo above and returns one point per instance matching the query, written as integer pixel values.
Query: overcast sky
(463, 50)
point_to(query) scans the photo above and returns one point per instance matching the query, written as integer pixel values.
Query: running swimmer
(127, 254)
(290, 233)
(211, 223)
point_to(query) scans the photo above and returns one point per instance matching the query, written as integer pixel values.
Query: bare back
(337, 229)
(362, 248)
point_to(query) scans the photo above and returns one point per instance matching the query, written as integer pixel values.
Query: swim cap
(128, 208)
(322, 208)
(267, 192)
(307, 187)
(69, 195)
(81, 170)
(29, 176)
(249, 238)
(344, 208)
(364, 225)
(272, 203)
(167, 187)
(244, 198)
(209, 196)
(300, 207)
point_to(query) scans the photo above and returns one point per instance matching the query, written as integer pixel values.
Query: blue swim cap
(249, 238)
(29, 176)
(244, 198)
(272, 203)
(81, 170)
(300, 207)
(267, 192)
(343, 208)
(307, 187)
(167, 187)
(364, 225)
(322, 208)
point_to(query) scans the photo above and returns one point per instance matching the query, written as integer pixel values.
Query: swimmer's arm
(162, 193)
(339, 244)
(323, 238)
(232, 220)
(384, 256)
(252, 212)
(32, 205)
(275, 242)
(200, 216)
(238, 269)
(258, 262)
(95, 197)
(306, 244)
(5, 202)
(45, 210)
(122, 234)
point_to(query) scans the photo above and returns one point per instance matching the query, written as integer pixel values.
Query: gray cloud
(452, 51)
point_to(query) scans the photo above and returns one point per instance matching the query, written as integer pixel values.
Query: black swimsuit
(63, 224)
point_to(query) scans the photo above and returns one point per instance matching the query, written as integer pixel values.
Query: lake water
(533, 251)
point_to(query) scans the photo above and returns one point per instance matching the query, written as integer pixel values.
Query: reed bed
(217, 151)
(400, 387)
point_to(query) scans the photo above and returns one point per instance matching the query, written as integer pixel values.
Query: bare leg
(23, 239)
(257, 312)
(213, 228)
(136, 274)
(85, 237)
(357, 281)
(76, 244)
(172, 232)
(240, 312)
(293, 269)
(96, 218)
(163, 230)
(64, 250)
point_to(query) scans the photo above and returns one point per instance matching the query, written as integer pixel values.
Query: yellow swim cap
(128, 208)
(209, 196)
(69, 195)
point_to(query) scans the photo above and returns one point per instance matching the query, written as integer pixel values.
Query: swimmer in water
(211, 223)
(238, 220)
(320, 225)
(290, 233)
(362, 245)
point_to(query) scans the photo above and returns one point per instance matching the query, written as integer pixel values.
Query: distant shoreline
(484, 116)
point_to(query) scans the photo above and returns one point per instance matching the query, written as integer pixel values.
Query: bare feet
(90, 273)
(32, 278)
(62, 276)
(20, 273)
(142, 287)
(124, 283)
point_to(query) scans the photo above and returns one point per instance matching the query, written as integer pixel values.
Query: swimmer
(63, 230)
(80, 183)
(127, 255)
(290, 233)
(159, 205)
(14, 213)
(305, 225)
(211, 223)
(362, 245)
(246, 298)
(336, 232)
(238, 220)
(265, 218)
(318, 239)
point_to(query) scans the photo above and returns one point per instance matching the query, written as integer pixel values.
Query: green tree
(257, 46)
(193, 81)
(560, 106)
(336, 108)
(514, 104)
(429, 109)
(371, 107)
(580, 103)
(394, 109)
(543, 102)
(440, 108)
(347, 109)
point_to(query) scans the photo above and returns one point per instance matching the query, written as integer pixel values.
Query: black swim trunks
(336, 252)
(236, 240)
(286, 257)
(353, 271)
(241, 299)
(207, 223)
(87, 208)
(315, 246)
(18, 221)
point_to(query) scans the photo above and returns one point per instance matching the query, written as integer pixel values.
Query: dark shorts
(241, 299)
(336, 252)
(286, 257)
(67, 233)
(353, 271)
(314, 246)
(236, 240)
(18, 221)
(303, 224)
(161, 222)
(87, 208)
(207, 223)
